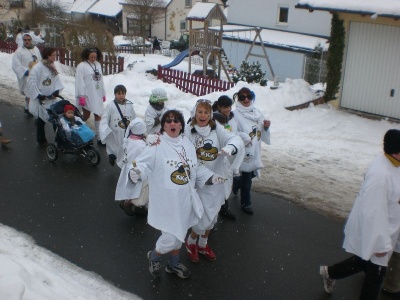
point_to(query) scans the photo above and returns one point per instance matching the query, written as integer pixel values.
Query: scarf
(393, 160)
(249, 113)
(174, 141)
(204, 131)
(29, 47)
(51, 66)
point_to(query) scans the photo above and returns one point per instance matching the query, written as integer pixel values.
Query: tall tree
(146, 13)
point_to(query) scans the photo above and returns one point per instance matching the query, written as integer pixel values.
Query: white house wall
(286, 64)
(264, 13)
(371, 73)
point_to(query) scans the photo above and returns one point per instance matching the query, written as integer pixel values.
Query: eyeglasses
(27, 39)
(169, 120)
(243, 97)
(204, 100)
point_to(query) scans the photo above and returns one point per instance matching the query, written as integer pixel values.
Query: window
(182, 25)
(17, 4)
(283, 15)
(188, 3)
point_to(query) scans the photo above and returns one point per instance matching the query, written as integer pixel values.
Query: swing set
(208, 41)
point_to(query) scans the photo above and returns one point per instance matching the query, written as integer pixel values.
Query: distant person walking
(156, 45)
(373, 225)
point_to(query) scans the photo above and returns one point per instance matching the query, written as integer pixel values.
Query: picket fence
(191, 83)
(110, 64)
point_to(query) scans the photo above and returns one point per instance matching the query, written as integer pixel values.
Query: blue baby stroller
(73, 144)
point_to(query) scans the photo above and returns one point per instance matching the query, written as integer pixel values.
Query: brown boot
(4, 140)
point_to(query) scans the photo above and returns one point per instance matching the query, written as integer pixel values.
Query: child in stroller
(73, 136)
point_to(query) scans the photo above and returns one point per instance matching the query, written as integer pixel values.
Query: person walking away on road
(133, 198)
(253, 128)
(212, 143)
(222, 114)
(156, 108)
(3, 140)
(90, 92)
(24, 58)
(173, 171)
(373, 226)
(113, 124)
(43, 88)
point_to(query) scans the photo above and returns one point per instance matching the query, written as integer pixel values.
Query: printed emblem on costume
(248, 157)
(207, 152)
(179, 176)
(46, 82)
(255, 132)
(96, 76)
(228, 127)
(121, 122)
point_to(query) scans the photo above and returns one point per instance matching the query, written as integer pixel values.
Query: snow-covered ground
(317, 159)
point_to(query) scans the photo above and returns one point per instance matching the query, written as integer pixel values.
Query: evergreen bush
(251, 73)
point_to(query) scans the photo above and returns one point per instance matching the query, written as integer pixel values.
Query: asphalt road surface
(68, 207)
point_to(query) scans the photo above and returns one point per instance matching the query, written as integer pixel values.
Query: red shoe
(192, 250)
(207, 252)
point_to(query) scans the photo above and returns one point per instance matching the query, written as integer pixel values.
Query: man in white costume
(24, 58)
(373, 225)
(174, 206)
(117, 116)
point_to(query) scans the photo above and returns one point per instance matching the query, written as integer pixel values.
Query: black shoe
(140, 210)
(227, 214)
(111, 159)
(392, 295)
(127, 208)
(28, 114)
(100, 143)
(235, 190)
(248, 210)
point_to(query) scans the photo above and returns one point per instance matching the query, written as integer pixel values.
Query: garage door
(372, 75)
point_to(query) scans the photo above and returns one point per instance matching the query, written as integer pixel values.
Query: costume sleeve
(145, 162)
(149, 118)
(32, 89)
(80, 87)
(104, 129)
(17, 66)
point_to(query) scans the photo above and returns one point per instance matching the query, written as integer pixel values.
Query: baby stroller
(67, 144)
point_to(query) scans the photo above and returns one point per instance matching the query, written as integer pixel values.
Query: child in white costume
(172, 170)
(114, 121)
(156, 108)
(128, 193)
(212, 143)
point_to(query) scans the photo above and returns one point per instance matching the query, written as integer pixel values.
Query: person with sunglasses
(172, 170)
(156, 108)
(24, 58)
(212, 143)
(90, 92)
(253, 128)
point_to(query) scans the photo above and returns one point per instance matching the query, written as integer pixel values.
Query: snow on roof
(200, 10)
(109, 8)
(370, 7)
(281, 39)
(81, 6)
(127, 2)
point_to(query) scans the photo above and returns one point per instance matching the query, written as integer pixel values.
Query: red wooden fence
(194, 84)
(110, 64)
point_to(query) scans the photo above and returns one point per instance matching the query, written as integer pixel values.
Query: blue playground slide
(177, 59)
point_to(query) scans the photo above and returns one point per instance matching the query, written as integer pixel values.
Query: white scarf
(174, 141)
(248, 112)
(204, 131)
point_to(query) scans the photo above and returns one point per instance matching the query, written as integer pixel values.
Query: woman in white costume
(43, 87)
(156, 108)
(89, 86)
(253, 128)
(212, 143)
(172, 171)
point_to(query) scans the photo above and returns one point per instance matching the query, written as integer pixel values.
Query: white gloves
(134, 175)
(217, 179)
(228, 150)
(152, 139)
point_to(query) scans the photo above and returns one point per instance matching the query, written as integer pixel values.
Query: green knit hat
(158, 95)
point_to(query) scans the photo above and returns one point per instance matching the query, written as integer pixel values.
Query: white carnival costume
(89, 84)
(167, 165)
(42, 81)
(149, 117)
(208, 143)
(22, 62)
(112, 127)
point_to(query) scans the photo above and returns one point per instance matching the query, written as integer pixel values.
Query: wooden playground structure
(208, 41)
